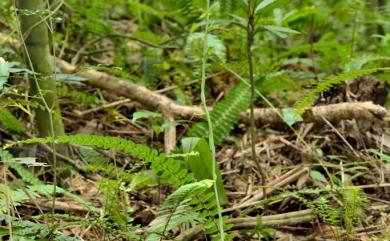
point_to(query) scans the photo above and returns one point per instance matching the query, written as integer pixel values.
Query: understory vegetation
(194, 120)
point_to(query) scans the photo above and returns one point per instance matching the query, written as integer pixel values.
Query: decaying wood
(169, 133)
(137, 93)
(148, 98)
(291, 218)
(67, 206)
(333, 113)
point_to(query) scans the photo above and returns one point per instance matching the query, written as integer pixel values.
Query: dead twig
(283, 180)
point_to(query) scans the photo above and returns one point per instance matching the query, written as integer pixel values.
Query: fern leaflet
(176, 209)
(167, 168)
(325, 85)
(225, 114)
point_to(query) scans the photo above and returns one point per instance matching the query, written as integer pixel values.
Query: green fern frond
(25, 174)
(353, 200)
(10, 122)
(359, 62)
(98, 163)
(325, 211)
(20, 103)
(26, 230)
(325, 85)
(78, 96)
(10, 198)
(115, 203)
(167, 168)
(225, 114)
(176, 209)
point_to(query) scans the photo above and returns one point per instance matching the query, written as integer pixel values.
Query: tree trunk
(38, 58)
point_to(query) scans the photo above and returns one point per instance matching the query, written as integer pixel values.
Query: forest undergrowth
(194, 120)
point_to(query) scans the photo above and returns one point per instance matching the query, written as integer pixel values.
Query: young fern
(167, 168)
(225, 114)
(325, 211)
(78, 96)
(177, 209)
(325, 85)
(353, 200)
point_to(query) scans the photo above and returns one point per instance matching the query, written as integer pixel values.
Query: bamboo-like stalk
(36, 45)
(37, 54)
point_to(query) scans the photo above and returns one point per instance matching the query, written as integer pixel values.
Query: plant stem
(210, 125)
(250, 38)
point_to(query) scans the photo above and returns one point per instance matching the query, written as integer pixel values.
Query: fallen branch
(291, 218)
(283, 180)
(333, 113)
(148, 98)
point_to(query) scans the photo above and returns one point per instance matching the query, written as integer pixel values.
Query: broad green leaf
(144, 114)
(317, 176)
(202, 165)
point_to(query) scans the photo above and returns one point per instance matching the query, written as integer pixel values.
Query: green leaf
(4, 72)
(317, 176)
(28, 161)
(216, 48)
(290, 116)
(381, 155)
(202, 165)
(144, 114)
(264, 4)
(359, 62)
(280, 31)
(143, 179)
(168, 124)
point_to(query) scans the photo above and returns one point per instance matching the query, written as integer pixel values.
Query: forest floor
(326, 176)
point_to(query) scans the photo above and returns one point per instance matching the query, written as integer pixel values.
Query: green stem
(250, 38)
(210, 125)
